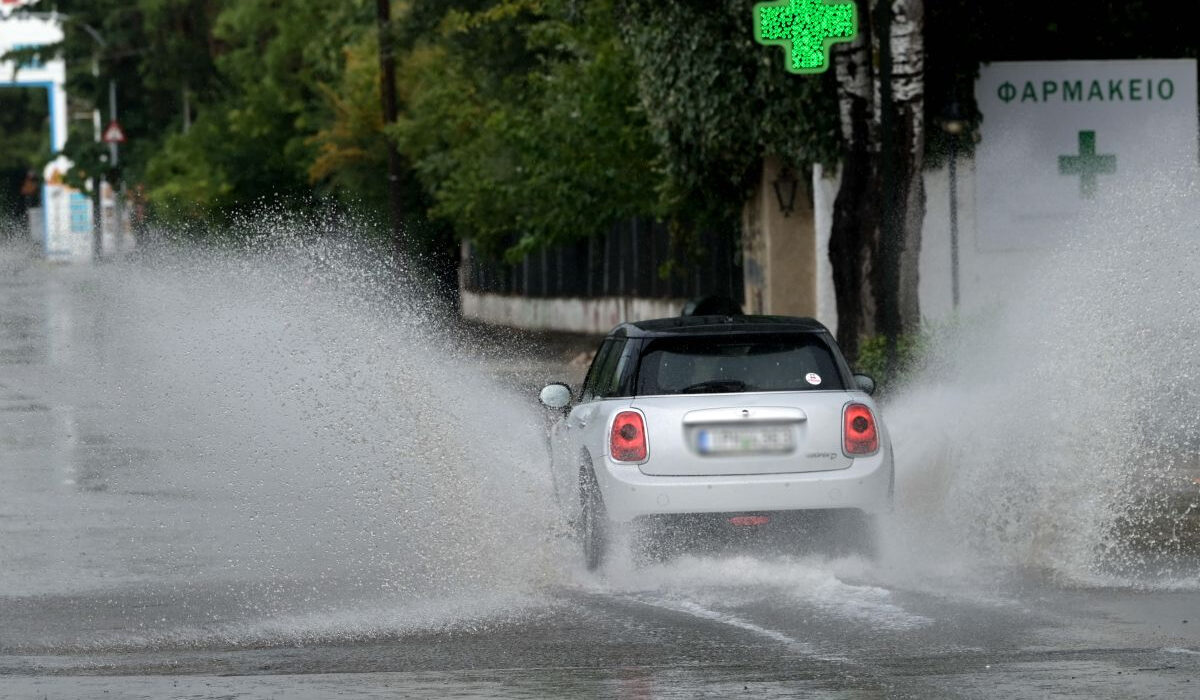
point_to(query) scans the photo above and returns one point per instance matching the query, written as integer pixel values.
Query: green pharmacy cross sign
(806, 29)
(1087, 165)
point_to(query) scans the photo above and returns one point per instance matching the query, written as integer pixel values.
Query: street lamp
(113, 150)
(785, 190)
(954, 124)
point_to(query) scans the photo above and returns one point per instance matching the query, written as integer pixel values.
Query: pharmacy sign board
(1061, 138)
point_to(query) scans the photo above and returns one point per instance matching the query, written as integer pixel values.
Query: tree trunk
(851, 240)
(387, 97)
(875, 241)
(908, 92)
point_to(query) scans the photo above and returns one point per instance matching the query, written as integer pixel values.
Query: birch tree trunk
(908, 94)
(852, 240)
(875, 241)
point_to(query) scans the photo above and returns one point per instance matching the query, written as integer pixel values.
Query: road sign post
(114, 136)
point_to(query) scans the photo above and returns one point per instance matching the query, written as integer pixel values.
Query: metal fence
(636, 258)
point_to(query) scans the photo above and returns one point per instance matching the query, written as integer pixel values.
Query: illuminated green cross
(806, 29)
(1087, 165)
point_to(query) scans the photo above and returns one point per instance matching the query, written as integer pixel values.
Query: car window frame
(607, 384)
(839, 358)
(586, 393)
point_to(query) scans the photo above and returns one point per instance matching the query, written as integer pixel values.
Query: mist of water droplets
(286, 426)
(1059, 430)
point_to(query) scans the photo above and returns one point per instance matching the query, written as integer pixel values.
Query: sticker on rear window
(813, 378)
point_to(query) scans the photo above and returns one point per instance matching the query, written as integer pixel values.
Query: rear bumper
(865, 485)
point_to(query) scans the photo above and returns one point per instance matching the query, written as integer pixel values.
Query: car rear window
(800, 362)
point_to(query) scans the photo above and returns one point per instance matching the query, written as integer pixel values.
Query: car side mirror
(556, 395)
(865, 383)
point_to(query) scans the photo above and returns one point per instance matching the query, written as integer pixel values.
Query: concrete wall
(779, 251)
(787, 266)
(986, 276)
(596, 316)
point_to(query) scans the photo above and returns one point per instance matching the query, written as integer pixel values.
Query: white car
(707, 423)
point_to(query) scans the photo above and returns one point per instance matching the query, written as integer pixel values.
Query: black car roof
(717, 325)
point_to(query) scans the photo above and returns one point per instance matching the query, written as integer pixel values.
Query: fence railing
(636, 258)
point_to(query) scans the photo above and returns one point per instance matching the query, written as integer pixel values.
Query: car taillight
(749, 520)
(859, 434)
(628, 440)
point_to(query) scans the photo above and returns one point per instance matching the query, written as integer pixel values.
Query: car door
(583, 431)
(568, 435)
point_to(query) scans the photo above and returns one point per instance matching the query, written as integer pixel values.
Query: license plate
(711, 441)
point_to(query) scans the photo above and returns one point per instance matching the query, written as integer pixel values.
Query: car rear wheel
(593, 520)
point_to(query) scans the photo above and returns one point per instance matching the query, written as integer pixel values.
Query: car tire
(593, 520)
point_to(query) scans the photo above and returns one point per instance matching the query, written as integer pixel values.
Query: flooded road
(238, 475)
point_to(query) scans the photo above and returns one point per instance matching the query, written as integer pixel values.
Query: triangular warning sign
(113, 133)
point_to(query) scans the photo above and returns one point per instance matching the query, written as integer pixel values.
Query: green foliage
(151, 49)
(523, 123)
(349, 162)
(90, 159)
(873, 359)
(24, 130)
(188, 183)
(718, 102)
(253, 142)
(930, 351)
(24, 143)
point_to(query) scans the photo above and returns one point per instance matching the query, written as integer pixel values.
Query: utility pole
(953, 123)
(97, 178)
(387, 94)
(114, 162)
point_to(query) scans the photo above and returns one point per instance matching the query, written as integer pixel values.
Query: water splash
(838, 587)
(285, 427)
(1058, 431)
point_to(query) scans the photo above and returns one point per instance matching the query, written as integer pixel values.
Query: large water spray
(288, 427)
(1057, 431)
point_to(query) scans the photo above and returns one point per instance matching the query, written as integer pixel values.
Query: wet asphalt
(107, 586)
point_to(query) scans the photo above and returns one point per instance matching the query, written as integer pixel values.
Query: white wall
(985, 277)
(595, 316)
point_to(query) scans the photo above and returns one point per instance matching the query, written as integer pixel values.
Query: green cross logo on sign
(806, 29)
(1087, 165)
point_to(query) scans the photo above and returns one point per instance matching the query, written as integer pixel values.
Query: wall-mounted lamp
(785, 190)
(953, 120)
